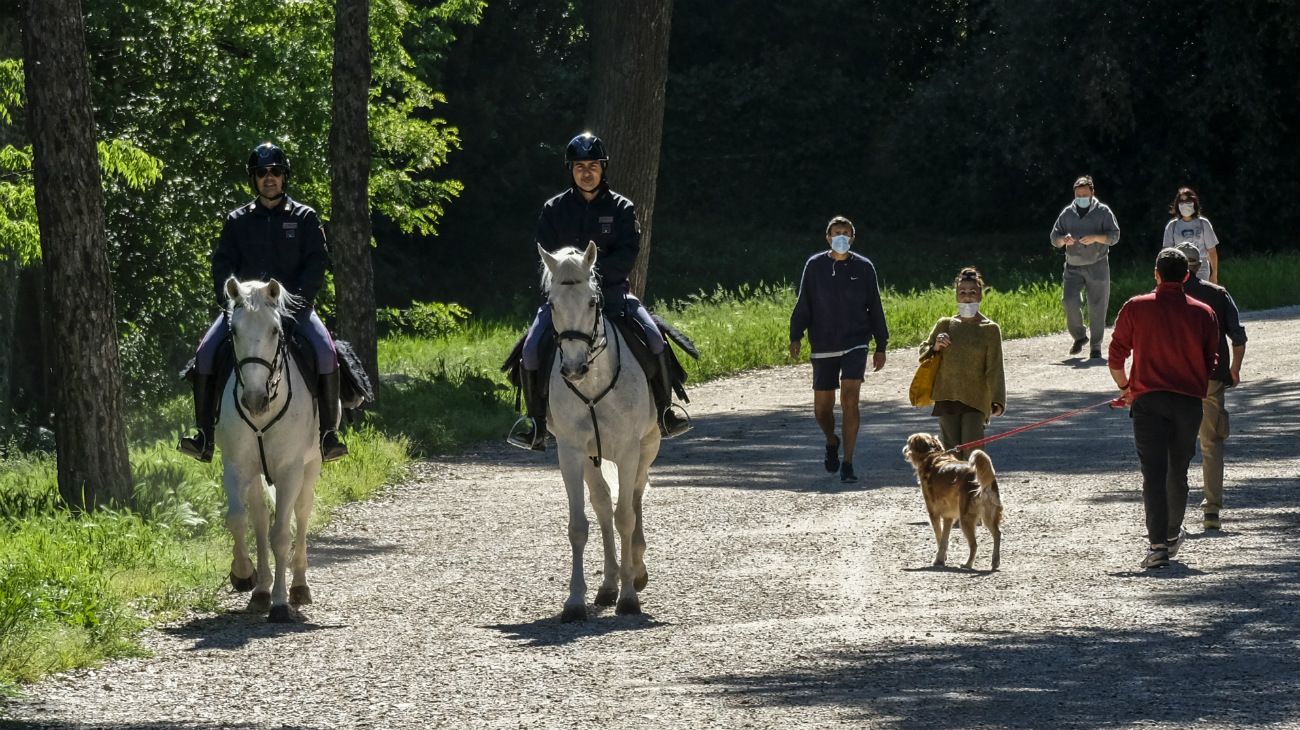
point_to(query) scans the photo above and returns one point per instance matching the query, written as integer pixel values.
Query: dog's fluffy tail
(984, 473)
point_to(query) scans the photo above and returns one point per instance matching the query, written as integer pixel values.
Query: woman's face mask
(1186, 209)
(968, 309)
(840, 243)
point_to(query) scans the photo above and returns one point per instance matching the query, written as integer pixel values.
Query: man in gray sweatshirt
(1086, 229)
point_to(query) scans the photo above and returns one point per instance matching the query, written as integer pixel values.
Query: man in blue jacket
(839, 307)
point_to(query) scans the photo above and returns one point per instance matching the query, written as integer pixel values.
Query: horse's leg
(286, 498)
(243, 576)
(649, 450)
(625, 519)
(575, 608)
(255, 498)
(604, 508)
(299, 591)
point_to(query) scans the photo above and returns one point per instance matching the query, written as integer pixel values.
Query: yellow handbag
(922, 390)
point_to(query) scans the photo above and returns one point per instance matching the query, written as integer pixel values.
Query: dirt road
(778, 596)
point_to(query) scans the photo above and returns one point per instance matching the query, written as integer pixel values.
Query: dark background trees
(956, 119)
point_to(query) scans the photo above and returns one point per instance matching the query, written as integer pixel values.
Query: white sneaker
(1176, 544)
(1157, 557)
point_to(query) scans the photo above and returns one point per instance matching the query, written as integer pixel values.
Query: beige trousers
(1214, 431)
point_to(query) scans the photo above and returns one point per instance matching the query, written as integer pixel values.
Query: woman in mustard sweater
(969, 387)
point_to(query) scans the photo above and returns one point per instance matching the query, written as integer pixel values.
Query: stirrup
(337, 450)
(523, 435)
(198, 446)
(684, 422)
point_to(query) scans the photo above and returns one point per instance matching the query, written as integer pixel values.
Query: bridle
(276, 366)
(597, 340)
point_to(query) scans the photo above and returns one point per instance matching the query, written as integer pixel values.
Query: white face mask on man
(1186, 209)
(840, 244)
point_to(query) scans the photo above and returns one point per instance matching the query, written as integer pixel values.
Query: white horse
(268, 428)
(600, 408)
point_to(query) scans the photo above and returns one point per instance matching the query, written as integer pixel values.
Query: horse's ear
(547, 258)
(589, 256)
(273, 290)
(232, 289)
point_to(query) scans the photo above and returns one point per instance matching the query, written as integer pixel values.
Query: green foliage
(424, 319)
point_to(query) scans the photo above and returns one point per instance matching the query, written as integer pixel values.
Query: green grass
(74, 590)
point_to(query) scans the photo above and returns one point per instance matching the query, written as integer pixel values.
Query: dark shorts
(829, 371)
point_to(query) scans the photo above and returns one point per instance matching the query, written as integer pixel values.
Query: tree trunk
(349, 229)
(90, 434)
(629, 54)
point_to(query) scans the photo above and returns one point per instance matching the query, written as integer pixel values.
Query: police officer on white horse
(590, 212)
(271, 237)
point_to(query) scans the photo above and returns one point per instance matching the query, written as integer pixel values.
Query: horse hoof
(640, 581)
(573, 613)
(280, 615)
(300, 595)
(243, 585)
(259, 602)
(606, 597)
(628, 607)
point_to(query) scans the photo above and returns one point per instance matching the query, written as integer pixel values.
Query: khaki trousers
(1214, 431)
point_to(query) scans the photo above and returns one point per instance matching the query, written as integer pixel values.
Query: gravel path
(778, 597)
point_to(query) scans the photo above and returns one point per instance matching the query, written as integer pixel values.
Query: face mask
(1186, 209)
(968, 309)
(840, 243)
(1083, 202)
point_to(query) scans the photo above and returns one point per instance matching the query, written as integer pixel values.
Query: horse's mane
(253, 296)
(569, 264)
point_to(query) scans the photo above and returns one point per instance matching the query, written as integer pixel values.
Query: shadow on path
(550, 631)
(1246, 667)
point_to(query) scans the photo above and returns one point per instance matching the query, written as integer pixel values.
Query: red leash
(1112, 402)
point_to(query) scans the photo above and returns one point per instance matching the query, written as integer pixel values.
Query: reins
(1112, 402)
(276, 366)
(593, 351)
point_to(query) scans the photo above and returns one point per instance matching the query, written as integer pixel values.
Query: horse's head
(254, 309)
(569, 280)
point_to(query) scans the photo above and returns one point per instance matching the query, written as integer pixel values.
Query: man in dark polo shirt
(1174, 340)
(839, 307)
(1214, 413)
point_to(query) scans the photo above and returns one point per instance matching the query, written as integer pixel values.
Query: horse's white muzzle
(574, 374)
(255, 402)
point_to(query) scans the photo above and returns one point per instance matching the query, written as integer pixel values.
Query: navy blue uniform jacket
(839, 305)
(286, 243)
(609, 220)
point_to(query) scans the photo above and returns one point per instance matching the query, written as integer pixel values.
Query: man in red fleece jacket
(1174, 340)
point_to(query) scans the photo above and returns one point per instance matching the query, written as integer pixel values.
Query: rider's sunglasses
(273, 170)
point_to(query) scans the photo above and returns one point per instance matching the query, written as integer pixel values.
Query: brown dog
(956, 489)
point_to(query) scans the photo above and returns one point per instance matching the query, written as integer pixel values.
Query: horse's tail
(677, 336)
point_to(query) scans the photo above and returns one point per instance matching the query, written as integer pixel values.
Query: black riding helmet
(267, 155)
(586, 146)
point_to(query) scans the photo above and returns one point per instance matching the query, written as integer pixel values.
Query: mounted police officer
(271, 237)
(590, 212)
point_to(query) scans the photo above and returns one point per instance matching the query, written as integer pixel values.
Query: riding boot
(332, 447)
(200, 445)
(530, 381)
(670, 424)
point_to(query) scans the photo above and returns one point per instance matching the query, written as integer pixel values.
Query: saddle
(628, 331)
(355, 389)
